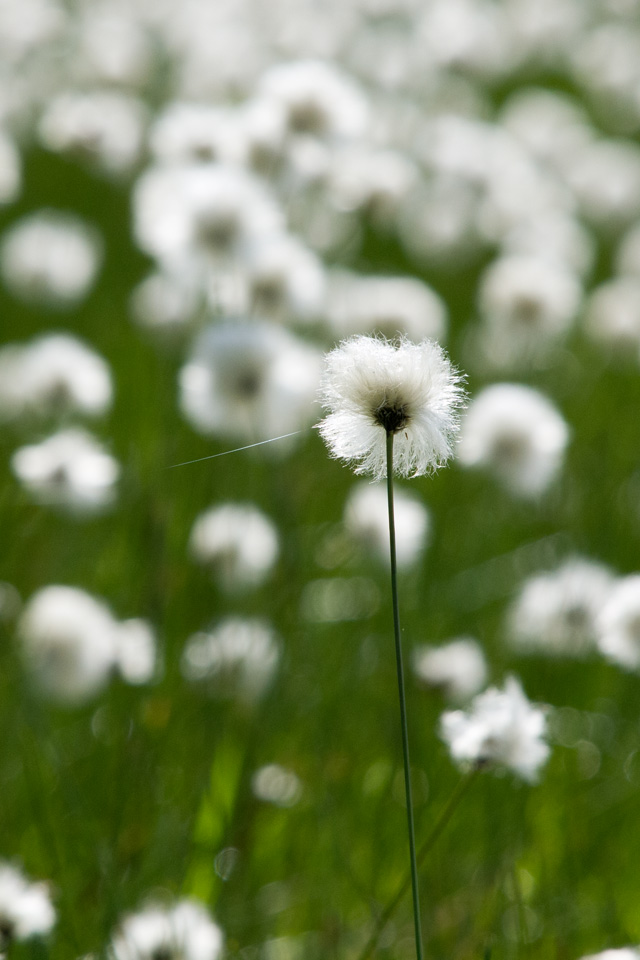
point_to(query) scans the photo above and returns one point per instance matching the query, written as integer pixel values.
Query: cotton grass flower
(618, 624)
(556, 612)
(500, 728)
(458, 668)
(366, 519)
(238, 542)
(25, 908)
(184, 931)
(373, 387)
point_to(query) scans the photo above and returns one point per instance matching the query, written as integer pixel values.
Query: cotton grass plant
(381, 393)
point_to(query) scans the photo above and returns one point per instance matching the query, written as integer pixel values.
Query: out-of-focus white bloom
(619, 953)
(458, 668)
(500, 728)
(516, 432)
(238, 657)
(203, 212)
(438, 221)
(526, 303)
(285, 279)
(250, 380)
(467, 35)
(556, 612)
(67, 642)
(263, 124)
(69, 469)
(555, 236)
(373, 181)
(135, 651)
(366, 518)
(277, 785)
(105, 128)
(196, 133)
(113, 46)
(238, 542)
(618, 624)
(550, 124)
(605, 177)
(50, 257)
(164, 302)
(319, 100)
(25, 908)
(392, 306)
(606, 65)
(54, 373)
(184, 931)
(373, 387)
(10, 169)
(612, 314)
(71, 643)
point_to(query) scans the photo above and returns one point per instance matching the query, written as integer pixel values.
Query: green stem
(433, 836)
(401, 695)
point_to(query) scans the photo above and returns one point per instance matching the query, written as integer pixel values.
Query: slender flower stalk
(434, 835)
(402, 699)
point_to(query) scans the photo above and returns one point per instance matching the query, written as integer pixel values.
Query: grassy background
(139, 791)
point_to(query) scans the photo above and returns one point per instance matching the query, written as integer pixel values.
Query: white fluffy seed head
(372, 386)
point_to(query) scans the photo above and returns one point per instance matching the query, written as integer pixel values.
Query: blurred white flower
(71, 643)
(206, 213)
(277, 785)
(184, 931)
(25, 908)
(196, 133)
(605, 177)
(556, 612)
(263, 122)
(612, 314)
(254, 381)
(618, 625)
(555, 236)
(238, 542)
(366, 518)
(458, 668)
(135, 651)
(526, 304)
(239, 656)
(392, 306)
(319, 100)
(164, 302)
(500, 728)
(67, 643)
(113, 46)
(286, 280)
(517, 433)
(371, 181)
(105, 128)
(551, 124)
(372, 387)
(70, 469)
(627, 259)
(50, 257)
(53, 374)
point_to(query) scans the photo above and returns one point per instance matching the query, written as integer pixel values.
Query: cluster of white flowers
(25, 908)
(502, 729)
(237, 657)
(71, 643)
(577, 609)
(182, 931)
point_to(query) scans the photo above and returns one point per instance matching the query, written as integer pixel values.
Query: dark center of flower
(307, 116)
(6, 932)
(218, 230)
(392, 416)
(268, 291)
